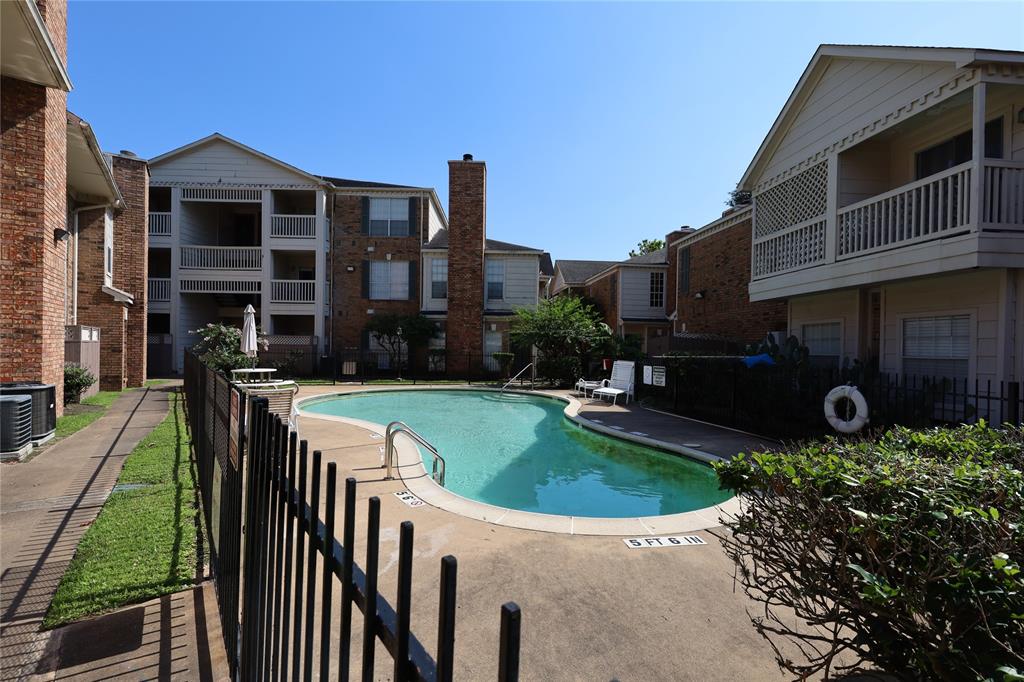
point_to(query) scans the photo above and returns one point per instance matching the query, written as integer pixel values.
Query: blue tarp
(762, 359)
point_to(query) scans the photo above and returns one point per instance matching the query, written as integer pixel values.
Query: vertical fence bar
(404, 600)
(247, 559)
(275, 545)
(347, 560)
(508, 654)
(328, 574)
(370, 610)
(289, 507)
(1013, 403)
(300, 560)
(314, 513)
(266, 552)
(446, 619)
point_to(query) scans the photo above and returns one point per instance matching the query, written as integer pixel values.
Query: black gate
(278, 620)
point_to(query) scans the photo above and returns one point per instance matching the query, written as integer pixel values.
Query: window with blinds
(439, 278)
(389, 280)
(389, 217)
(495, 280)
(938, 346)
(824, 343)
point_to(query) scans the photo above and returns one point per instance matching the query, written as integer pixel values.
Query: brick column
(467, 231)
(131, 258)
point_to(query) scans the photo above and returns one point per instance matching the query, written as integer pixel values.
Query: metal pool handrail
(517, 376)
(396, 427)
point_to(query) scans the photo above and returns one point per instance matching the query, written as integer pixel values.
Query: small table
(254, 375)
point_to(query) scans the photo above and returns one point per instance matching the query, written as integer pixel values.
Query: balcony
(293, 226)
(159, 224)
(221, 257)
(902, 232)
(292, 290)
(159, 289)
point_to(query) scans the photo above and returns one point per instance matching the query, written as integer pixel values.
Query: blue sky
(601, 124)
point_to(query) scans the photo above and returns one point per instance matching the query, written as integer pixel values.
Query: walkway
(46, 505)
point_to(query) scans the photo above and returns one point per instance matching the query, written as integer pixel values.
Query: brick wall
(720, 267)
(605, 299)
(33, 266)
(349, 250)
(96, 307)
(131, 258)
(467, 230)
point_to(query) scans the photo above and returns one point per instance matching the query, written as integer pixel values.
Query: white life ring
(849, 393)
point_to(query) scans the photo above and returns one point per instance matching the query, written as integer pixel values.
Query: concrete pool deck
(593, 609)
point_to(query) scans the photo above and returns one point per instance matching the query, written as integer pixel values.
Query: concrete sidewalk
(46, 505)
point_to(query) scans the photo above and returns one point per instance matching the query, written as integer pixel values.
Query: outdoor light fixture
(700, 294)
(60, 234)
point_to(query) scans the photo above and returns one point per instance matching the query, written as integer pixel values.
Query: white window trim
(650, 288)
(431, 279)
(972, 329)
(408, 220)
(108, 247)
(390, 281)
(832, 320)
(487, 280)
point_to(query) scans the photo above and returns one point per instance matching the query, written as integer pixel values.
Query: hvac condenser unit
(15, 426)
(44, 407)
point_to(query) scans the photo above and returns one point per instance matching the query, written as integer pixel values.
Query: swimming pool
(519, 451)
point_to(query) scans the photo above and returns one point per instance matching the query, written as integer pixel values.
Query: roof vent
(128, 152)
(467, 157)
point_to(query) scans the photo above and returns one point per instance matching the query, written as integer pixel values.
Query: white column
(177, 342)
(320, 274)
(267, 272)
(977, 152)
(831, 208)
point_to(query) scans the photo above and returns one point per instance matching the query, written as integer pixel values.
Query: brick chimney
(467, 232)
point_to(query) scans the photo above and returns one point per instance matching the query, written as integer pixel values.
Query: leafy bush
(504, 361)
(564, 371)
(564, 330)
(903, 553)
(77, 380)
(220, 347)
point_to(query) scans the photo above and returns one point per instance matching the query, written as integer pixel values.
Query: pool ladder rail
(507, 383)
(397, 427)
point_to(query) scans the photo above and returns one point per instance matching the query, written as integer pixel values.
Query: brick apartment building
(51, 169)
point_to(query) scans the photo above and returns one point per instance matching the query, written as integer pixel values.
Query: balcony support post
(831, 209)
(977, 152)
(320, 234)
(178, 358)
(267, 270)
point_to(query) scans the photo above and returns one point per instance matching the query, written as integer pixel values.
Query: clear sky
(601, 124)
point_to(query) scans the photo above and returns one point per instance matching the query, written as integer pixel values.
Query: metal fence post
(1013, 403)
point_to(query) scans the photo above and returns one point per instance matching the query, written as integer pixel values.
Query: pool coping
(414, 475)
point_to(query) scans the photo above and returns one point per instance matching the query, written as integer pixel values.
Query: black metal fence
(278, 610)
(785, 402)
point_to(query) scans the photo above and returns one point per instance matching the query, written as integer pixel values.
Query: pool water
(519, 451)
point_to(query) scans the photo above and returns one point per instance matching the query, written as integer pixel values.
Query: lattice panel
(795, 249)
(800, 198)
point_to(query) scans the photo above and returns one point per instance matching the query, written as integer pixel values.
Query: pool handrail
(517, 376)
(396, 427)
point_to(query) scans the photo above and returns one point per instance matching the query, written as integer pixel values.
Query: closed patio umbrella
(249, 333)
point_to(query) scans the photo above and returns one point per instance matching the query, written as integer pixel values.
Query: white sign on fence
(409, 498)
(647, 374)
(658, 376)
(664, 541)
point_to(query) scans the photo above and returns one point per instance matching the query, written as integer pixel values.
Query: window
(657, 290)
(495, 280)
(957, 150)
(824, 343)
(684, 270)
(389, 280)
(492, 345)
(389, 217)
(937, 347)
(108, 248)
(439, 278)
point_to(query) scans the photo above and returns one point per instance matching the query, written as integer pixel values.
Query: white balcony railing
(1003, 194)
(926, 209)
(159, 224)
(293, 226)
(292, 290)
(222, 257)
(159, 289)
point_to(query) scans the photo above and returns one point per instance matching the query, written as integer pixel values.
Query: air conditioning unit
(15, 426)
(44, 407)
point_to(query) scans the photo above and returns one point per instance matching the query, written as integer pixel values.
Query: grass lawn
(143, 543)
(77, 417)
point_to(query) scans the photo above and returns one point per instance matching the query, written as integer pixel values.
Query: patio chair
(584, 385)
(621, 382)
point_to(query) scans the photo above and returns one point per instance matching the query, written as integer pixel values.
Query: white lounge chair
(585, 385)
(621, 382)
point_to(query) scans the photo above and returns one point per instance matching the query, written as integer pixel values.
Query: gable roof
(89, 176)
(579, 271)
(823, 56)
(217, 137)
(546, 268)
(346, 183)
(658, 257)
(440, 241)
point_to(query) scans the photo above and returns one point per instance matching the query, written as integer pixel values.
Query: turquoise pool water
(519, 451)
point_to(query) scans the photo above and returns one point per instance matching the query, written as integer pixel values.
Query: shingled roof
(578, 271)
(440, 241)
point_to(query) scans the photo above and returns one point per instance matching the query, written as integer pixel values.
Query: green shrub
(564, 371)
(77, 380)
(504, 361)
(903, 553)
(220, 347)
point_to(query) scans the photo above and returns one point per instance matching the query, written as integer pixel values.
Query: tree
(645, 246)
(221, 347)
(393, 332)
(563, 329)
(739, 197)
